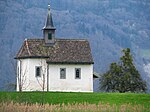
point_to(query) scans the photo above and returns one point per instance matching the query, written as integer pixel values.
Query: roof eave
(49, 28)
(70, 62)
(27, 57)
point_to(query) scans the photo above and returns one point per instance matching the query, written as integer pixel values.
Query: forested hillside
(109, 25)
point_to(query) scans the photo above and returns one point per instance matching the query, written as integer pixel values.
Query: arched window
(38, 71)
(77, 73)
(62, 73)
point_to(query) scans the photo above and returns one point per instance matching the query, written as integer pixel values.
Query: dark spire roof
(49, 22)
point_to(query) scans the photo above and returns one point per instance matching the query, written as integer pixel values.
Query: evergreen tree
(123, 77)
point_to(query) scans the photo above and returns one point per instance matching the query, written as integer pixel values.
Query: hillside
(108, 25)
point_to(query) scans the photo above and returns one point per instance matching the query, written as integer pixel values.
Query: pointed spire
(49, 29)
(49, 21)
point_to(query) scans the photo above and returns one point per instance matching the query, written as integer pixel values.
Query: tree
(42, 80)
(22, 77)
(123, 76)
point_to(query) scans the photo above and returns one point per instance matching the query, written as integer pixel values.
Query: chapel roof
(63, 51)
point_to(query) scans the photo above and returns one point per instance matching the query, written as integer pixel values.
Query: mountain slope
(108, 25)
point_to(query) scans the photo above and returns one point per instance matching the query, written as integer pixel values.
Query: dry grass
(24, 107)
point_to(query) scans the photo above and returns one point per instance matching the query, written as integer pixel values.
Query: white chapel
(53, 64)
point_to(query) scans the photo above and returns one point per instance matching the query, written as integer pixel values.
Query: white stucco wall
(22, 74)
(30, 81)
(70, 84)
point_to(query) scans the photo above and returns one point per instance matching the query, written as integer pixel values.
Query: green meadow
(73, 102)
(71, 98)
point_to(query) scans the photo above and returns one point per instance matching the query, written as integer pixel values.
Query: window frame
(63, 76)
(49, 36)
(79, 73)
(40, 68)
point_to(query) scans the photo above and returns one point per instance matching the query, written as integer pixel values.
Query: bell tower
(49, 29)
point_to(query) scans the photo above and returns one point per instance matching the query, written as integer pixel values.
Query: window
(49, 36)
(62, 73)
(38, 71)
(77, 73)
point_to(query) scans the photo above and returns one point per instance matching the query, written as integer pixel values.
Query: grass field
(112, 101)
(92, 98)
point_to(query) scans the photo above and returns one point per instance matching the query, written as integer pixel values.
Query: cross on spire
(49, 7)
(49, 21)
(49, 29)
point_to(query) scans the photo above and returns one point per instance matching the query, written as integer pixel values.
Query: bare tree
(22, 77)
(42, 81)
(44, 50)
